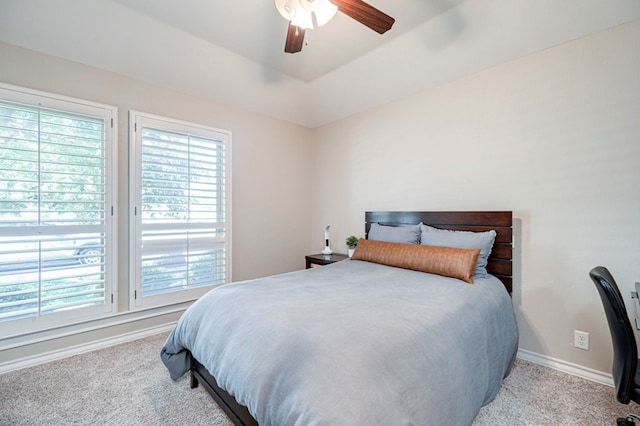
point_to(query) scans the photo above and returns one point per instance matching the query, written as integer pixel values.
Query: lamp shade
(312, 5)
(325, 13)
(301, 12)
(303, 19)
(288, 8)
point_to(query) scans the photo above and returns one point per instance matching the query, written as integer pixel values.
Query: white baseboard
(566, 367)
(84, 348)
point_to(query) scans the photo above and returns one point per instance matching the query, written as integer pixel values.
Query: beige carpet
(128, 385)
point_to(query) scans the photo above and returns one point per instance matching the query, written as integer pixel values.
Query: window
(57, 192)
(180, 196)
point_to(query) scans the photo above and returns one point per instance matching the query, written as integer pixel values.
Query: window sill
(59, 332)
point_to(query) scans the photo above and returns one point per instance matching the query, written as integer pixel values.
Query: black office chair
(625, 352)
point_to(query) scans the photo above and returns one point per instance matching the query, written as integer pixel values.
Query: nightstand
(314, 260)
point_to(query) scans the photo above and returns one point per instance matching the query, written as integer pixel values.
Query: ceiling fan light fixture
(303, 13)
(325, 13)
(288, 8)
(311, 5)
(303, 19)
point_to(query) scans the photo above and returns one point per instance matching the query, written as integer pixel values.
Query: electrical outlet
(581, 340)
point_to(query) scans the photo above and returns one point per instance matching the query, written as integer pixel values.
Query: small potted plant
(352, 242)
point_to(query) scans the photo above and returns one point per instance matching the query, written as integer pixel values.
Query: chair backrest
(625, 351)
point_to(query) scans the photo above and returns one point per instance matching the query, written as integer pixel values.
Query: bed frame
(500, 265)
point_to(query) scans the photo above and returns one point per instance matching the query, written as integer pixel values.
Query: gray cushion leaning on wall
(461, 239)
(409, 234)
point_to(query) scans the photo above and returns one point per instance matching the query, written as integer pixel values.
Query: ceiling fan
(303, 14)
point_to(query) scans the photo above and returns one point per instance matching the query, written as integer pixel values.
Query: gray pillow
(461, 239)
(409, 234)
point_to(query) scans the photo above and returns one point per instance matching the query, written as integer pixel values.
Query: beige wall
(270, 171)
(554, 136)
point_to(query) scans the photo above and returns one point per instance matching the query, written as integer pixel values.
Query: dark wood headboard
(500, 260)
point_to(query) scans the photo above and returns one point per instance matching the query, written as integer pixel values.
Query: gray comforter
(352, 343)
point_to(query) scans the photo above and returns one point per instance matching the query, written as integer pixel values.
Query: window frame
(107, 113)
(137, 121)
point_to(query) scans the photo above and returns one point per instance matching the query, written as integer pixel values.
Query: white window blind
(181, 210)
(54, 208)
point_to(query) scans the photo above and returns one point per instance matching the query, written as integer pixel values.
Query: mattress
(352, 343)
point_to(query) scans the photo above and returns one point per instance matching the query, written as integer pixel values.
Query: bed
(361, 341)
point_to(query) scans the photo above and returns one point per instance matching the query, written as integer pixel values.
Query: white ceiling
(232, 51)
(254, 29)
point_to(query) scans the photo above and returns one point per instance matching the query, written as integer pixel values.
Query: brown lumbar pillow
(446, 261)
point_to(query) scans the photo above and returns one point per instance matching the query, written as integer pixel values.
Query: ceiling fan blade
(295, 39)
(365, 14)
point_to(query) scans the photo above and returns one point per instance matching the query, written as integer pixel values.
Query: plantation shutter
(181, 213)
(53, 210)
